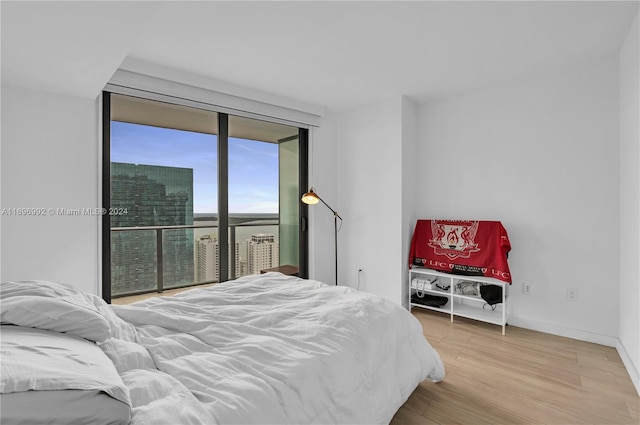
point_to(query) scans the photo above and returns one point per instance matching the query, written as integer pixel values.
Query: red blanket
(472, 248)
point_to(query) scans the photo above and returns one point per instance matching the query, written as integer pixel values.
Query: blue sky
(253, 166)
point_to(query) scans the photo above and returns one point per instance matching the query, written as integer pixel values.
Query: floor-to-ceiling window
(197, 196)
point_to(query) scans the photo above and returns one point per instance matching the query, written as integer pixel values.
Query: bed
(262, 349)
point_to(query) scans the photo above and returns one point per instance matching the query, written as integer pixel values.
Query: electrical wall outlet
(527, 288)
(572, 294)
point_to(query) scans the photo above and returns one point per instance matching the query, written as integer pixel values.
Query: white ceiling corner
(68, 47)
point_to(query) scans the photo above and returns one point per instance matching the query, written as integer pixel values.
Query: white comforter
(272, 349)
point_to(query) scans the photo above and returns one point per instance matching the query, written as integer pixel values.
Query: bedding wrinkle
(159, 398)
(263, 349)
(275, 349)
(53, 306)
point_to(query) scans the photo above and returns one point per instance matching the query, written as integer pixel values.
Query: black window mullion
(303, 171)
(223, 196)
(106, 196)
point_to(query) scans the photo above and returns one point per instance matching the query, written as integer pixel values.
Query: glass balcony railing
(155, 258)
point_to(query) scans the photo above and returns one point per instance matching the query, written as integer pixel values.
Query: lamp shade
(310, 197)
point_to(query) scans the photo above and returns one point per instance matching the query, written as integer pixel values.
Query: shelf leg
(504, 307)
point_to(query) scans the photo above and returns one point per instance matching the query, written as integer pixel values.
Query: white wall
(49, 160)
(323, 177)
(540, 155)
(630, 203)
(410, 178)
(369, 159)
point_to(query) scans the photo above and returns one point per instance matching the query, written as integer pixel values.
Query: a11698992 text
(37, 211)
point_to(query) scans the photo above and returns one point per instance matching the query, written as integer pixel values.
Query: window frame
(223, 181)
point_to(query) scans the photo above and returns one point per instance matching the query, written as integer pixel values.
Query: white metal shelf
(468, 306)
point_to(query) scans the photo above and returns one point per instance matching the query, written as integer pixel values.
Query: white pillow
(53, 306)
(41, 360)
(51, 378)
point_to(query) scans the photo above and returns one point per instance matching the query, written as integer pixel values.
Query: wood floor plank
(523, 377)
(634, 410)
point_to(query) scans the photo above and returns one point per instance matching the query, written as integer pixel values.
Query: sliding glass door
(289, 199)
(203, 196)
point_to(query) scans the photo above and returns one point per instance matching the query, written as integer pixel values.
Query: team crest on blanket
(454, 238)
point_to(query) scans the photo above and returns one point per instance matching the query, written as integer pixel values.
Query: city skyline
(163, 196)
(147, 145)
(143, 190)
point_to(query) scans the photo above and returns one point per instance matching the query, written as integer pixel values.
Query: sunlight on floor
(167, 293)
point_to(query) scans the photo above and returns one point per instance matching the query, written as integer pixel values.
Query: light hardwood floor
(524, 377)
(167, 293)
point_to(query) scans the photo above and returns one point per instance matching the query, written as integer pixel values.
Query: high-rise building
(238, 268)
(152, 196)
(209, 260)
(262, 253)
(207, 255)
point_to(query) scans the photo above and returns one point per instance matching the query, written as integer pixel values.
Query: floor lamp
(311, 198)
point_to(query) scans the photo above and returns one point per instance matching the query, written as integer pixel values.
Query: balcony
(148, 259)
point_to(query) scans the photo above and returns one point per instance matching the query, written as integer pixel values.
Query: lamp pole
(312, 198)
(335, 234)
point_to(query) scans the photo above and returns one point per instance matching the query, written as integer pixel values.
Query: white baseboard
(609, 341)
(628, 364)
(552, 329)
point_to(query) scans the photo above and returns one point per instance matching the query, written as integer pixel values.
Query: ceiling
(334, 54)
